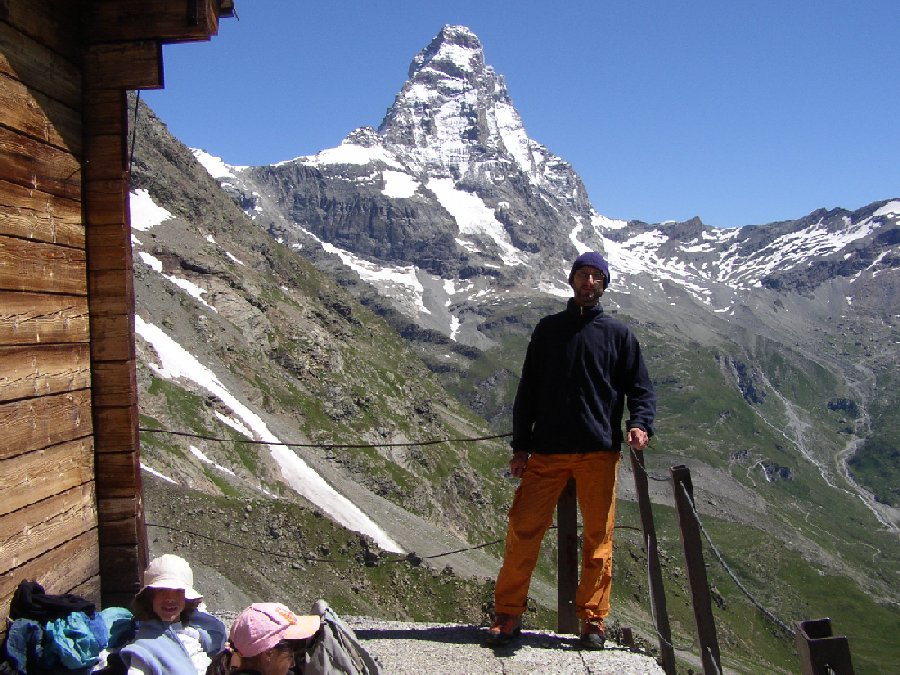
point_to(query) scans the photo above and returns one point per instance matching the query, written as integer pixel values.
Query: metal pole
(567, 560)
(654, 572)
(683, 491)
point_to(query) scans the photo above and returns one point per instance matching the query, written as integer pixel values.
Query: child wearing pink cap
(265, 637)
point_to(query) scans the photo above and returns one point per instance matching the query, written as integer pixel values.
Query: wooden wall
(48, 511)
(71, 514)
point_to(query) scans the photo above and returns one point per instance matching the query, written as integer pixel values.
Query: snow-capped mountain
(449, 204)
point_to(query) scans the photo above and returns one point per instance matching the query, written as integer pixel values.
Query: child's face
(168, 603)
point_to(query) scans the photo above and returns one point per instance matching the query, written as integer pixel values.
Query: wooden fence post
(820, 651)
(654, 572)
(567, 560)
(683, 491)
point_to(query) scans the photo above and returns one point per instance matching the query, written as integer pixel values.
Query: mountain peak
(454, 111)
(455, 51)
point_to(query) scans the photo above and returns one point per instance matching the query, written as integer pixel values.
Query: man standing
(580, 367)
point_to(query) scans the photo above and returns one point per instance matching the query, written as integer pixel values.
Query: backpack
(335, 649)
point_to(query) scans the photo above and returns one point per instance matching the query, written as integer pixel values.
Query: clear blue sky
(736, 112)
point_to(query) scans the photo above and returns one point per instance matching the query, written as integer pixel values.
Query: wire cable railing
(414, 558)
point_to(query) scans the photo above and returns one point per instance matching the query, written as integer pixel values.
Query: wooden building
(71, 514)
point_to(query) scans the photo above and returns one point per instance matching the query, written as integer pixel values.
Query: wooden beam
(32, 214)
(124, 65)
(114, 382)
(116, 429)
(107, 208)
(118, 337)
(34, 266)
(111, 292)
(107, 157)
(36, 318)
(40, 474)
(39, 370)
(39, 116)
(109, 247)
(122, 526)
(165, 20)
(40, 65)
(39, 166)
(31, 532)
(118, 587)
(36, 423)
(59, 570)
(50, 23)
(106, 113)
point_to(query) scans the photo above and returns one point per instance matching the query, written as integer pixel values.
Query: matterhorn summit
(448, 188)
(454, 115)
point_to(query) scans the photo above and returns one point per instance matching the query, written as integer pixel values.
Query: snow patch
(398, 184)
(214, 166)
(176, 362)
(198, 453)
(156, 473)
(144, 211)
(475, 218)
(889, 209)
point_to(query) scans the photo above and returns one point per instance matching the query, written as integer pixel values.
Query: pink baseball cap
(264, 624)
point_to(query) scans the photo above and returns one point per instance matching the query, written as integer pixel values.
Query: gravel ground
(453, 649)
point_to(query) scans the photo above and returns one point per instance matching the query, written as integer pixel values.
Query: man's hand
(517, 464)
(637, 438)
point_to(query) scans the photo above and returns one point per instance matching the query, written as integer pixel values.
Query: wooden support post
(654, 572)
(123, 539)
(567, 560)
(683, 491)
(821, 652)
(626, 638)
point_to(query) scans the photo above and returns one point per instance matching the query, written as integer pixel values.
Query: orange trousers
(531, 514)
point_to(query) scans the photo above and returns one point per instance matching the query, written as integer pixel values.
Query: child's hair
(142, 607)
(221, 662)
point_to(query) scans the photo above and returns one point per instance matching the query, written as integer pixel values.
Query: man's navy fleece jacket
(580, 368)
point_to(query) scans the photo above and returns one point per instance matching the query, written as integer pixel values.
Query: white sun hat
(172, 572)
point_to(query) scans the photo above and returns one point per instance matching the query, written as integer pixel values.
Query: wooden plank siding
(45, 525)
(71, 512)
(34, 476)
(48, 506)
(40, 318)
(33, 214)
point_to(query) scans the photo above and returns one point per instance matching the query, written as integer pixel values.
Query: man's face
(588, 284)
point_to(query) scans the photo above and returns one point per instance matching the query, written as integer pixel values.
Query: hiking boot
(593, 634)
(505, 629)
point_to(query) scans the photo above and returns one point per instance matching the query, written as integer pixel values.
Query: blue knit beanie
(590, 259)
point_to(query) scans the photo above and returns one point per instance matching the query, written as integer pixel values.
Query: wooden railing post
(683, 491)
(567, 560)
(820, 651)
(654, 572)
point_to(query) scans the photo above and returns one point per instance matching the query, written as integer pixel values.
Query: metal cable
(322, 445)
(769, 615)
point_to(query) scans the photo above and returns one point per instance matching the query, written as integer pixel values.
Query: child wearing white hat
(173, 636)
